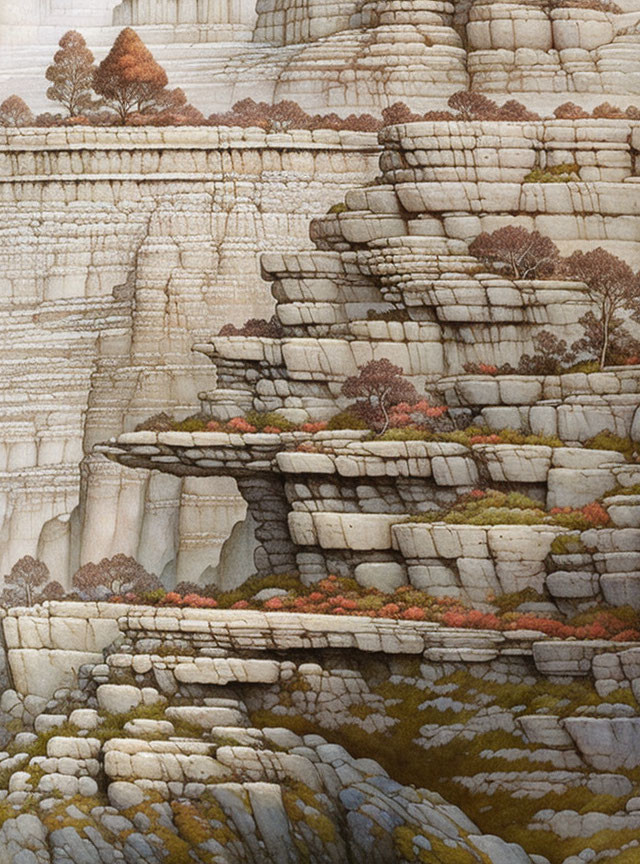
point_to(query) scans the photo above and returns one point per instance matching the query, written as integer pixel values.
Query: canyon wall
(118, 250)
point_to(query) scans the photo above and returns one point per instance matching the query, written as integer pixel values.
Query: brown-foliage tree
(473, 106)
(25, 581)
(118, 575)
(570, 111)
(71, 75)
(606, 111)
(613, 287)
(14, 111)
(520, 253)
(399, 113)
(131, 82)
(512, 110)
(378, 385)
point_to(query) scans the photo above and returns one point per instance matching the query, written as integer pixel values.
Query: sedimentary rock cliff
(118, 249)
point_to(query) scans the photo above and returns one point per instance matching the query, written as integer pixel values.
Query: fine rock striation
(335, 501)
(354, 54)
(117, 248)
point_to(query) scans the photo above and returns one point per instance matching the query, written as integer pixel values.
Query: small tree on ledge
(118, 575)
(130, 81)
(378, 386)
(14, 111)
(519, 253)
(613, 288)
(71, 75)
(25, 582)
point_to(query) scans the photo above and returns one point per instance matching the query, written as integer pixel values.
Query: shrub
(270, 421)
(607, 440)
(473, 106)
(14, 111)
(570, 111)
(27, 582)
(605, 111)
(286, 114)
(197, 423)
(564, 173)
(158, 423)
(399, 113)
(255, 327)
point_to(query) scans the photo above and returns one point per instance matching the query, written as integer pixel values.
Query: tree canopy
(71, 75)
(130, 81)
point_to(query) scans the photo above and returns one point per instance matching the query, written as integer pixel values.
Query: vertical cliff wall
(118, 250)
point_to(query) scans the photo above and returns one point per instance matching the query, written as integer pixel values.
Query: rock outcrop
(170, 762)
(354, 54)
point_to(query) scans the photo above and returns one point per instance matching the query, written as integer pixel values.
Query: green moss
(608, 441)
(567, 544)
(341, 207)
(564, 173)
(284, 581)
(346, 420)
(271, 418)
(439, 769)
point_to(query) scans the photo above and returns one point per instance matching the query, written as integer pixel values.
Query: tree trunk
(605, 342)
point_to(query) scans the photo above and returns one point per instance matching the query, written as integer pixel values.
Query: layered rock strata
(170, 740)
(116, 248)
(187, 708)
(352, 55)
(391, 277)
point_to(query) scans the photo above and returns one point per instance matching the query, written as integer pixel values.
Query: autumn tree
(14, 111)
(473, 106)
(514, 111)
(613, 288)
(129, 80)
(520, 253)
(570, 111)
(25, 581)
(71, 75)
(399, 113)
(118, 575)
(378, 385)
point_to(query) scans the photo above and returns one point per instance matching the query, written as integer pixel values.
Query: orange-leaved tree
(131, 82)
(14, 111)
(71, 75)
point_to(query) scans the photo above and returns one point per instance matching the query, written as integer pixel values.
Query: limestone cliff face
(118, 249)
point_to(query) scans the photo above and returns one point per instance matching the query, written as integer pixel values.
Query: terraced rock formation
(334, 502)
(353, 54)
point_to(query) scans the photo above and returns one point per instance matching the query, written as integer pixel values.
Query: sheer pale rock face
(115, 257)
